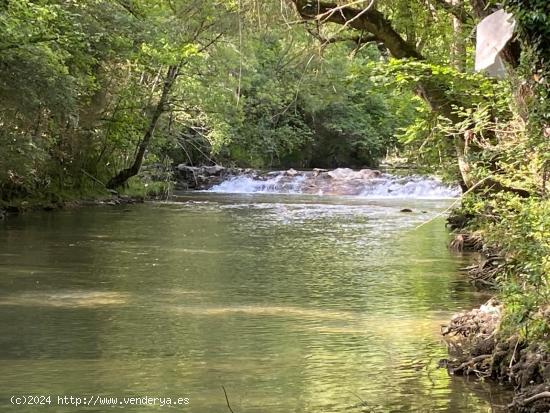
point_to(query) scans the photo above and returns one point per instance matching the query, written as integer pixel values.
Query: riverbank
(479, 347)
(50, 202)
(507, 339)
(148, 187)
(18, 207)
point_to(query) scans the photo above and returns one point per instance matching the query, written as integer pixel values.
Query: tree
(180, 45)
(434, 93)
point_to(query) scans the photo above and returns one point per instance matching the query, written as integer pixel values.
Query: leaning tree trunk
(121, 178)
(374, 22)
(458, 54)
(458, 47)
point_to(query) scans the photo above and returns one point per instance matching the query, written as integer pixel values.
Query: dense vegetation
(88, 88)
(512, 215)
(93, 92)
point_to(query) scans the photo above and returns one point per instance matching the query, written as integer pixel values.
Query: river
(292, 303)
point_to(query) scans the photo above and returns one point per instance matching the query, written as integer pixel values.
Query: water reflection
(65, 299)
(296, 304)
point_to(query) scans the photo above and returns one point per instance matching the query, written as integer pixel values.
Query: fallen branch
(93, 178)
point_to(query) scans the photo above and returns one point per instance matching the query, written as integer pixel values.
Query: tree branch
(130, 8)
(368, 20)
(210, 42)
(542, 395)
(457, 11)
(361, 39)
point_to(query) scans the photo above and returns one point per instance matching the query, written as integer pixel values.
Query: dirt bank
(488, 343)
(17, 208)
(477, 346)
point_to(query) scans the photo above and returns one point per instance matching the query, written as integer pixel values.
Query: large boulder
(341, 173)
(347, 174)
(369, 173)
(214, 170)
(203, 177)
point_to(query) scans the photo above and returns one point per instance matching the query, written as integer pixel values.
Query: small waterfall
(414, 186)
(341, 181)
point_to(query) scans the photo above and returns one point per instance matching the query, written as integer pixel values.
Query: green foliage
(138, 188)
(272, 123)
(295, 107)
(533, 18)
(354, 132)
(79, 81)
(522, 232)
(513, 149)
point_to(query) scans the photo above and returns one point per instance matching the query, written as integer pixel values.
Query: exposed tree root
(490, 263)
(479, 323)
(478, 348)
(464, 241)
(533, 400)
(471, 365)
(485, 271)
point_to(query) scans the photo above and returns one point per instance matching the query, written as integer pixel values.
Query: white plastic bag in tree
(493, 32)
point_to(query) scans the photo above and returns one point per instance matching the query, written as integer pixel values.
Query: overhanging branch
(368, 20)
(360, 39)
(457, 11)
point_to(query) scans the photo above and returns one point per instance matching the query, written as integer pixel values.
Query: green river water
(291, 303)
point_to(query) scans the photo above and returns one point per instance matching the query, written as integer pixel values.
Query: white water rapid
(341, 181)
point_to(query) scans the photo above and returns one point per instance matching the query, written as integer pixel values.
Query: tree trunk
(458, 46)
(121, 178)
(459, 62)
(374, 22)
(370, 20)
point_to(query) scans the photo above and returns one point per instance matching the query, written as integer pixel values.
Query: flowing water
(292, 303)
(341, 181)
